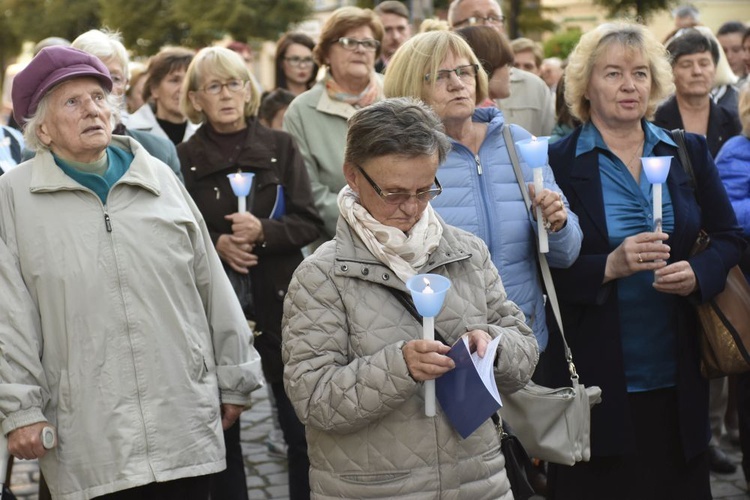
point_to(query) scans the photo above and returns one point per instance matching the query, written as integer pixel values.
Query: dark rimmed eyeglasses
(215, 88)
(466, 74)
(301, 62)
(367, 44)
(474, 20)
(397, 198)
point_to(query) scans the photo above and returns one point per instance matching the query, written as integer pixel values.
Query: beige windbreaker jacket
(118, 325)
(346, 376)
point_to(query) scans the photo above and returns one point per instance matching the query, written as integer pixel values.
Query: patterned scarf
(403, 253)
(371, 94)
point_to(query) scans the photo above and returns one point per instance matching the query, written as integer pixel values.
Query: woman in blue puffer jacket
(480, 191)
(733, 162)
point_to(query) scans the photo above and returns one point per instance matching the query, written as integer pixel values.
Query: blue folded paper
(468, 394)
(279, 206)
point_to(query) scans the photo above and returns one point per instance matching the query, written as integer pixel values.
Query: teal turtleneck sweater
(100, 175)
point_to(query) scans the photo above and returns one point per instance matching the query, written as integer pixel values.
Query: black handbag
(518, 466)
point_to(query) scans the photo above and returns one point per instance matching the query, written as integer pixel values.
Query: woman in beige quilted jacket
(354, 361)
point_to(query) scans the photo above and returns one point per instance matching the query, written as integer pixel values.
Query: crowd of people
(145, 297)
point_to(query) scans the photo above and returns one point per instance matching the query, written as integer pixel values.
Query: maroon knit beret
(51, 66)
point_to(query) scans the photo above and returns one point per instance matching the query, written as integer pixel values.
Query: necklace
(635, 153)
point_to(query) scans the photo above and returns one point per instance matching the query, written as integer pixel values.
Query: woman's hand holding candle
(246, 227)
(552, 206)
(426, 359)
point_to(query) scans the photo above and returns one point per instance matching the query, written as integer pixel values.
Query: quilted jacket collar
(354, 260)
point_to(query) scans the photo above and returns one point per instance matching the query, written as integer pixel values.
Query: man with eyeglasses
(530, 104)
(396, 30)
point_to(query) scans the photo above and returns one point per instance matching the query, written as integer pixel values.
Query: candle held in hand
(534, 153)
(428, 300)
(656, 169)
(241, 183)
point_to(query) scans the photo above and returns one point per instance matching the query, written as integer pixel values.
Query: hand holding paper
(468, 394)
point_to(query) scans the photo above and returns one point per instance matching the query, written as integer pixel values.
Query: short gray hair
(401, 126)
(30, 137)
(105, 45)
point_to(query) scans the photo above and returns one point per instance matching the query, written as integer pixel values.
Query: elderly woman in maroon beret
(119, 328)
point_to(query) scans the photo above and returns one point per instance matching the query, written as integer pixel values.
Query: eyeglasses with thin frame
(396, 198)
(367, 44)
(299, 62)
(474, 20)
(466, 73)
(234, 85)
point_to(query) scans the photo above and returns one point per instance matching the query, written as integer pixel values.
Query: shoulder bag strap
(543, 264)
(679, 137)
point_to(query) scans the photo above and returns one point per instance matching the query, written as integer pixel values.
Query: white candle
(428, 333)
(656, 169)
(541, 230)
(657, 207)
(241, 183)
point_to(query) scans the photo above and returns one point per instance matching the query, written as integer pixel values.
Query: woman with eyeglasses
(296, 69)
(480, 190)
(260, 248)
(355, 360)
(349, 46)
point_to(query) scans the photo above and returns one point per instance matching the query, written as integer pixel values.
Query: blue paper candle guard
(241, 183)
(428, 292)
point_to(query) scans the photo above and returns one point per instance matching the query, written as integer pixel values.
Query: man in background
(396, 30)
(530, 104)
(528, 55)
(552, 72)
(686, 16)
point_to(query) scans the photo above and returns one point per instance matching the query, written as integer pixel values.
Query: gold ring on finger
(640, 259)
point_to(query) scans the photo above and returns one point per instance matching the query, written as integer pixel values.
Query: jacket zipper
(107, 222)
(479, 164)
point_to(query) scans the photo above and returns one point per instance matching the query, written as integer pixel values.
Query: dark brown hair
(162, 64)
(281, 48)
(491, 48)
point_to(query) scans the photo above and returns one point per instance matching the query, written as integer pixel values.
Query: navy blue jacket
(590, 309)
(722, 123)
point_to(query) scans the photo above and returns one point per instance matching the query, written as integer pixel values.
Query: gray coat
(346, 376)
(118, 326)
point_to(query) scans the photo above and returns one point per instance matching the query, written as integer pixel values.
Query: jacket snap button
(344, 268)
(280, 293)
(365, 271)
(386, 276)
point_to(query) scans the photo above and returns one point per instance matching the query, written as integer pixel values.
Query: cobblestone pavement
(267, 475)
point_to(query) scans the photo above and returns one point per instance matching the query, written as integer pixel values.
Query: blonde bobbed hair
(422, 55)
(635, 38)
(221, 63)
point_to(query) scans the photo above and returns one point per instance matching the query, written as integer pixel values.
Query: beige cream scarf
(403, 253)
